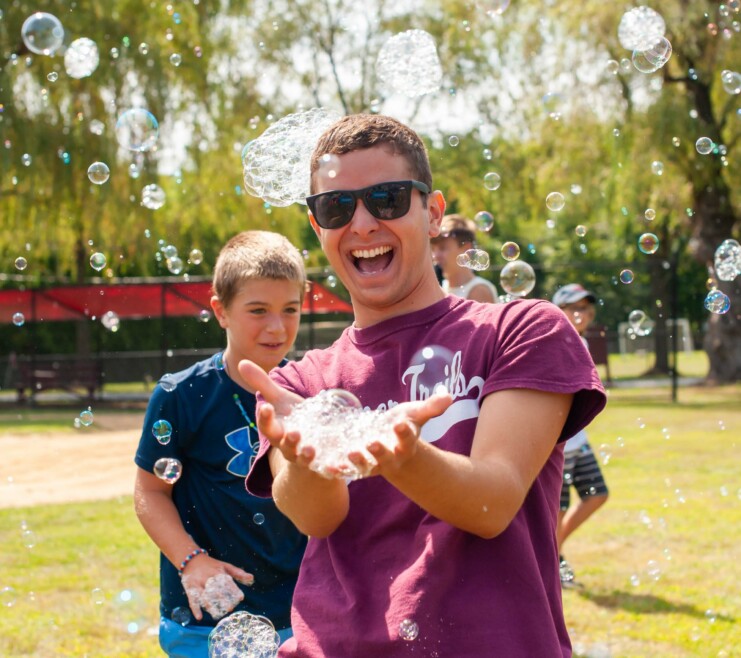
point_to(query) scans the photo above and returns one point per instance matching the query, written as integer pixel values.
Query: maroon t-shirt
(390, 562)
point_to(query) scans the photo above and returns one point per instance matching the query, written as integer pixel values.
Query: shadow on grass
(645, 604)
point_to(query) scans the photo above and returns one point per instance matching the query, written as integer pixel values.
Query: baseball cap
(571, 293)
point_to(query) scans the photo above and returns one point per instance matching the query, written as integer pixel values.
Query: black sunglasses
(389, 200)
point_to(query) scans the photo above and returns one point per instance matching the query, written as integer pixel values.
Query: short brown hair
(362, 131)
(251, 255)
(459, 227)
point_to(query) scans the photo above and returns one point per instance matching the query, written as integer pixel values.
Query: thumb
(432, 407)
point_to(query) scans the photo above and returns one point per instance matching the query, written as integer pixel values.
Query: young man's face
(581, 314)
(262, 320)
(445, 251)
(386, 265)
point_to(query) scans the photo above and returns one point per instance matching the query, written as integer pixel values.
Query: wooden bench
(82, 378)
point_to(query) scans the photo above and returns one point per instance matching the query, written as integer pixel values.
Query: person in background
(458, 235)
(222, 549)
(581, 470)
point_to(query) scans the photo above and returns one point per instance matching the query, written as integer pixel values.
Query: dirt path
(91, 463)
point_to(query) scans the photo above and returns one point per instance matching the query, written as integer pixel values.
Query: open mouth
(372, 261)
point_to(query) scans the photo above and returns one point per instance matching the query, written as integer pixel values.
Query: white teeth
(370, 253)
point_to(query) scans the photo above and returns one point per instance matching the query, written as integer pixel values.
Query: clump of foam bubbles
(243, 635)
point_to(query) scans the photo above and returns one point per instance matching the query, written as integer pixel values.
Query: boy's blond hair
(251, 255)
(362, 131)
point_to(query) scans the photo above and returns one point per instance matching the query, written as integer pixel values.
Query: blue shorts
(192, 641)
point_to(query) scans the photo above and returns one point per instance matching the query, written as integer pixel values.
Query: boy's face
(581, 314)
(385, 264)
(446, 250)
(262, 320)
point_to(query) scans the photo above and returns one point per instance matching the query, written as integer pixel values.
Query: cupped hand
(197, 573)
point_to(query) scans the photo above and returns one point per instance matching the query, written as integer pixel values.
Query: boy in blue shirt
(222, 549)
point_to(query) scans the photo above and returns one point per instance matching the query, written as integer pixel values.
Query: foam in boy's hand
(335, 424)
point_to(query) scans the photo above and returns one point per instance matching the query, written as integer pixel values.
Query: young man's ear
(314, 225)
(218, 309)
(436, 212)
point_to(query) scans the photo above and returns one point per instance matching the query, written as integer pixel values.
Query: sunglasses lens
(334, 209)
(388, 200)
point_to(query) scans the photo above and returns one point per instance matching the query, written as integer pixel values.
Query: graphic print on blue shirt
(245, 443)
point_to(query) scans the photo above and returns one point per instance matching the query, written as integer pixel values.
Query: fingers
(193, 592)
(240, 575)
(269, 424)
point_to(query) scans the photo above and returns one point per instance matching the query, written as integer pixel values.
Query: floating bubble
(727, 260)
(731, 81)
(487, 154)
(635, 580)
(153, 197)
(605, 453)
(170, 251)
(640, 28)
(554, 201)
(195, 256)
(97, 596)
(474, 259)
(517, 278)
(175, 265)
(552, 104)
(648, 243)
(243, 635)
(8, 597)
(26, 160)
(331, 281)
(704, 145)
(654, 57)
(168, 383)
(454, 140)
(276, 164)
(657, 167)
(86, 417)
(21, 263)
(717, 302)
(176, 59)
(181, 615)
(626, 276)
(650, 214)
(484, 220)
(259, 519)
(204, 315)
(98, 173)
(143, 48)
(168, 469)
(408, 64)
(134, 171)
(137, 130)
(639, 323)
(42, 33)
(493, 7)
(53, 76)
(81, 58)
(76, 423)
(580, 230)
(110, 321)
(510, 251)
(492, 181)
(98, 261)
(408, 630)
(612, 67)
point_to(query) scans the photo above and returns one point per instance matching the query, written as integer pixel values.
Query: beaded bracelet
(189, 557)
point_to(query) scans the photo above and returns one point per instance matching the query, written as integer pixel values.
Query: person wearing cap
(581, 469)
(458, 235)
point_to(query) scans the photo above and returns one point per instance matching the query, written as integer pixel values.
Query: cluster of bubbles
(727, 260)
(642, 30)
(408, 630)
(334, 424)
(474, 259)
(276, 164)
(243, 635)
(408, 64)
(168, 469)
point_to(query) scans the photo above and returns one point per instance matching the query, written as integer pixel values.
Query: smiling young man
(449, 547)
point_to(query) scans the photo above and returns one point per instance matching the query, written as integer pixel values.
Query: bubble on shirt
(408, 630)
(162, 431)
(153, 197)
(640, 28)
(430, 370)
(517, 278)
(727, 260)
(473, 259)
(626, 276)
(181, 615)
(19, 319)
(258, 518)
(42, 33)
(81, 58)
(137, 129)
(86, 417)
(492, 181)
(218, 360)
(334, 425)
(276, 165)
(510, 251)
(243, 635)
(408, 64)
(484, 220)
(168, 469)
(20, 263)
(168, 383)
(98, 261)
(98, 173)
(648, 243)
(639, 322)
(717, 302)
(555, 201)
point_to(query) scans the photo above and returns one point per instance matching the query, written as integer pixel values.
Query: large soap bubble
(408, 64)
(137, 130)
(243, 635)
(517, 278)
(276, 164)
(640, 28)
(727, 260)
(42, 33)
(81, 58)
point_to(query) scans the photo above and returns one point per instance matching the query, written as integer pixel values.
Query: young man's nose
(362, 221)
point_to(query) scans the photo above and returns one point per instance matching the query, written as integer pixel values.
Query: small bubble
(484, 220)
(331, 281)
(408, 630)
(259, 519)
(97, 596)
(650, 214)
(492, 181)
(204, 315)
(195, 256)
(510, 251)
(181, 615)
(626, 276)
(635, 580)
(98, 261)
(86, 417)
(7, 597)
(162, 431)
(454, 140)
(168, 469)
(704, 145)
(555, 201)
(21, 263)
(580, 230)
(98, 173)
(657, 168)
(175, 59)
(648, 243)
(168, 383)
(19, 319)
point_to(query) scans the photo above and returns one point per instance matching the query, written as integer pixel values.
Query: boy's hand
(411, 416)
(198, 572)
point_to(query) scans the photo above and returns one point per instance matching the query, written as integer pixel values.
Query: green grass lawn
(660, 565)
